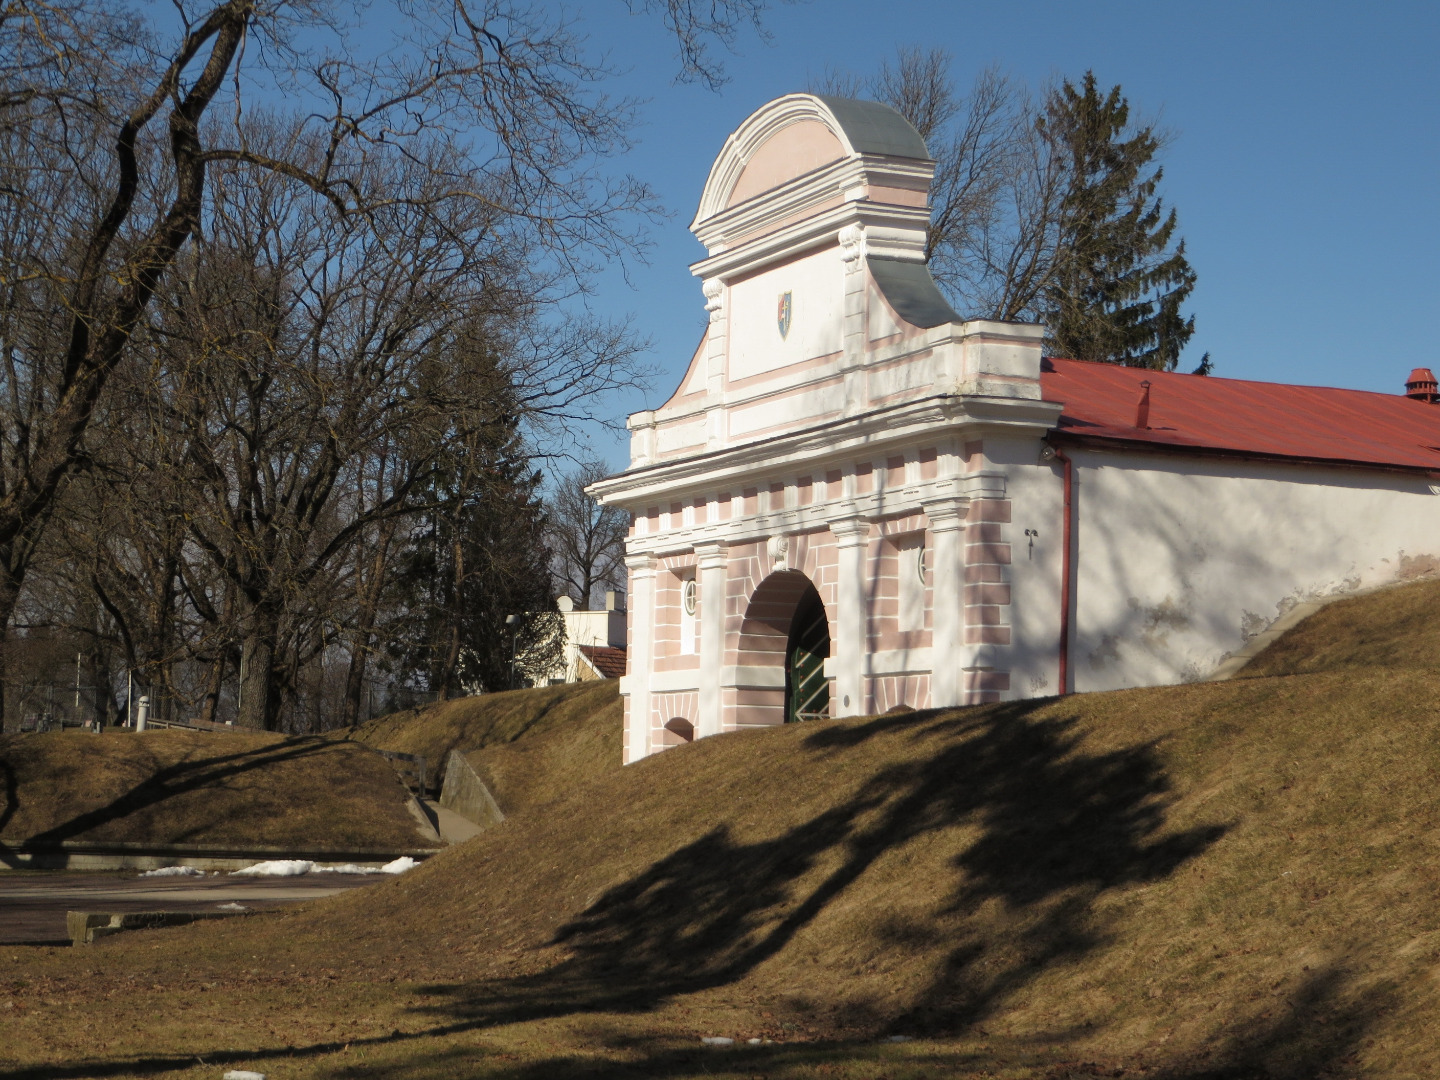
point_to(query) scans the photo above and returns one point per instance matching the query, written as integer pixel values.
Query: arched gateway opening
(807, 691)
(784, 642)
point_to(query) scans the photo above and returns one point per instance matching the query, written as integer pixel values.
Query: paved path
(453, 828)
(33, 903)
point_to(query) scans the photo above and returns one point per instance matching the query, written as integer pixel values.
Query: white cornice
(932, 417)
(872, 506)
(850, 178)
(789, 382)
(891, 230)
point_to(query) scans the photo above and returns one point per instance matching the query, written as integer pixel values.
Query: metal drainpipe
(1067, 514)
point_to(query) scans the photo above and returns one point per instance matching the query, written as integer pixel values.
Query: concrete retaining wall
(466, 794)
(86, 926)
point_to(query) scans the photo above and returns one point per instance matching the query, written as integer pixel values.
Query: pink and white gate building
(855, 500)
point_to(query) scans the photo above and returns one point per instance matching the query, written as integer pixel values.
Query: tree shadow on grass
(165, 783)
(1050, 828)
(1055, 826)
(1316, 1034)
(12, 794)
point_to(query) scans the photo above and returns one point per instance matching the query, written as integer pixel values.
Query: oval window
(688, 594)
(920, 561)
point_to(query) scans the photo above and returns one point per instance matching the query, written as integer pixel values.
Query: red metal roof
(1318, 423)
(607, 661)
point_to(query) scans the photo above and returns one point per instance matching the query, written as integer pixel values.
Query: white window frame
(689, 615)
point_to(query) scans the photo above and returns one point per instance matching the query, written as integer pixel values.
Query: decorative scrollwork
(779, 551)
(852, 247)
(714, 290)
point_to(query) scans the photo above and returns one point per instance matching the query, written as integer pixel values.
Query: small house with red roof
(594, 643)
(856, 500)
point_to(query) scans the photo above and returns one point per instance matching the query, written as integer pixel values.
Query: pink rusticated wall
(670, 576)
(987, 592)
(888, 539)
(669, 713)
(761, 593)
(672, 712)
(759, 602)
(892, 552)
(885, 692)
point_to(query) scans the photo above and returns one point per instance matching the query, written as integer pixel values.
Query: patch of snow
(232, 906)
(753, 1042)
(299, 867)
(276, 868)
(174, 871)
(241, 1074)
(717, 1040)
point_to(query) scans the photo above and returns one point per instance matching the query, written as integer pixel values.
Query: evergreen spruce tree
(476, 557)
(1118, 286)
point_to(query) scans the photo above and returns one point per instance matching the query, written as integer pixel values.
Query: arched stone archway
(780, 655)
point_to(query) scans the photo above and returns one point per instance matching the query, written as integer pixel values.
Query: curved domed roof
(797, 134)
(875, 128)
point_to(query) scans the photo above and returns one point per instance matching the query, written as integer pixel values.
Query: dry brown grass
(490, 720)
(551, 762)
(1229, 880)
(1396, 628)
(183, 787)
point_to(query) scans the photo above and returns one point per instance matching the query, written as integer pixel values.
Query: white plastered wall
(815, 284)
(1181, 560)
(1035, 491)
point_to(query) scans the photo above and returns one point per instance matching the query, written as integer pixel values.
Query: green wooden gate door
(807, 692)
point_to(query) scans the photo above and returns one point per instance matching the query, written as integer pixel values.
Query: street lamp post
(513, 621)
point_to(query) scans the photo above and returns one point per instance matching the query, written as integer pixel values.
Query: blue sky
(1304, 163)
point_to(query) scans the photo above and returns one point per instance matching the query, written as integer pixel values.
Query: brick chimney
(1142, 408)
(1421, 386)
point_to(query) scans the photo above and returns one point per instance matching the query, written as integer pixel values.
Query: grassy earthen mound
(1212, 875)
(1390, 628)
(585, 719)
(1227, 880)
(185, 787)
(555, 759)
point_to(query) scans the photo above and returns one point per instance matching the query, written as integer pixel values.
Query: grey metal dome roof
(873, 128)
(912, 292)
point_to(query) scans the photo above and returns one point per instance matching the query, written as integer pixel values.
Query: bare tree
(995, 198)
(996, 194)
(110, 129)
(84, 236)
(1044, 212)
(112, 566)
(300, 292)
(587, 540)
(318, 371)
(371, 557)
(696, 23)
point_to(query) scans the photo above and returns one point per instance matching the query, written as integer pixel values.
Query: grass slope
(520, 719)
(1230, 880)
(551, 761)
(171, 787)
(1390, 628)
